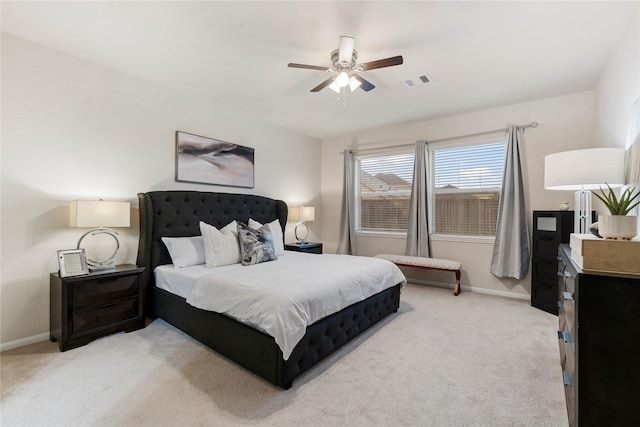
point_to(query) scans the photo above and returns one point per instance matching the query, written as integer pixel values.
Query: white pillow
(221, 247)
(185, 251)
(276, 234)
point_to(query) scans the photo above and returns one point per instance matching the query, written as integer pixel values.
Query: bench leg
(456, 290)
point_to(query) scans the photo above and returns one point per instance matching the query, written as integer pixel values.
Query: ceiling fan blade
(364, 84)
(381, 63)
(346, 48)
(323, 84)
(308, 67)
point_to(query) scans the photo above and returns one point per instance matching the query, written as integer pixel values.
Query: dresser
(599, 341)
(83, 308)
(550, 228)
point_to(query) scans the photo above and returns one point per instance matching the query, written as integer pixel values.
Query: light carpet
(471, 360)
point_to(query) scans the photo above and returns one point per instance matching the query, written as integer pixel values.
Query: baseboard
(471, 289)
(24, 341)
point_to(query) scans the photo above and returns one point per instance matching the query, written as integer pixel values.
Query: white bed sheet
(283, 297)
(179, 281)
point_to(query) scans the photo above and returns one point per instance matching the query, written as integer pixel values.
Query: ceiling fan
(345, 68)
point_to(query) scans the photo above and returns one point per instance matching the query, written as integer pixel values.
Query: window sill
(485, 240)
(382, 234)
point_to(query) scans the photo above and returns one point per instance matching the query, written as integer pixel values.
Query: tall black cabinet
(550, 228)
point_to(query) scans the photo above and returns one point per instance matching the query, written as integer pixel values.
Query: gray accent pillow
(256, 246)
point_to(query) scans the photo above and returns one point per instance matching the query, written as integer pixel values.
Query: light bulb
(343, 79)
(354, 83)
(334, 87)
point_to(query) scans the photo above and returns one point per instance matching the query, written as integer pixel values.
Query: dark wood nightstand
(310, 248)
(84, 308)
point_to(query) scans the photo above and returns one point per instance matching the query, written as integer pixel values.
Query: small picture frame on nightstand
(72, 262)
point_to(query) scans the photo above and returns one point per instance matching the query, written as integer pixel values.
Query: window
(383, 190)
(467, 182)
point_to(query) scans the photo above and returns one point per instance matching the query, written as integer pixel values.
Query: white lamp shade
(587, 169)
(302, 213)
(98, 213)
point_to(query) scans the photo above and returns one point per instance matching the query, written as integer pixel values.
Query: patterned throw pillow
(256, 246)
(276, 234)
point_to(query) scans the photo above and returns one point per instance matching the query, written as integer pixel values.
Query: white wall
(618, 87)
(75, 130)
(566, 123)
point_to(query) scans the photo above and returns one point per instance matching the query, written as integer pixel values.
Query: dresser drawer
(546, 247)
(107, 314)
(545, 270)
(100, 291)
(545, 292)
(569, 313)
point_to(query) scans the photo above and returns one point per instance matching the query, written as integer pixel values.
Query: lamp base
(107, 264)
(301, 232)
(582, 216)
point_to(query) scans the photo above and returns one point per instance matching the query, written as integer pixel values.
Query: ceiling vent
(417, 81)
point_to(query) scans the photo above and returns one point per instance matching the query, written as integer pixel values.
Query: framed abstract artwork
(210, 161)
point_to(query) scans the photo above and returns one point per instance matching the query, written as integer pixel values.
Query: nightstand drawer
(104, 315)
(105, 290)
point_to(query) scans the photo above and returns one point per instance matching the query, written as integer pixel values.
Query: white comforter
(283, 297)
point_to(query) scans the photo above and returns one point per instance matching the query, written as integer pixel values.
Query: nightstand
(84, 308)
(310, 248)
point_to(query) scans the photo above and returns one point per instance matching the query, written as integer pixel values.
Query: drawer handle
(567, 378)
(108, 304)
(567, 296)
(565, 336)
(560, 304)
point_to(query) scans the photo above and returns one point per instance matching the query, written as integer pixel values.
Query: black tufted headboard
(178, 214)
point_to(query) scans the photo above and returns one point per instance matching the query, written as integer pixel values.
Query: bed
(178, 214)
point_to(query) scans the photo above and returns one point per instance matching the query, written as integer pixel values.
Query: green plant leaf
(621, 206)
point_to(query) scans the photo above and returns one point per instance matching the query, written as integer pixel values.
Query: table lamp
(302, 214)
(584, 170)
(99, 215)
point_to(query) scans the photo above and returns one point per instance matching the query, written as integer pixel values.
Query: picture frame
(204, 160)
(72, 262)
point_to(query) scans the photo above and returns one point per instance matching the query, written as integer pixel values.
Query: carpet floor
(471, 360)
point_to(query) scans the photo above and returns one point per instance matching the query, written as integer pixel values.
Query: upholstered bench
(427, 263)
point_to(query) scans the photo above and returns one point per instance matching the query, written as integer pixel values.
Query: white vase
(618, 226)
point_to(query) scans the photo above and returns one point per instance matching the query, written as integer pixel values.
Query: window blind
(467, 184)
(383, 183)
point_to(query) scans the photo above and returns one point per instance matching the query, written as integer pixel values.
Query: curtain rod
(487, 132)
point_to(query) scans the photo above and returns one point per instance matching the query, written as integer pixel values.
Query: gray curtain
(418, 230)
(632, 158)
(511, 248)
(347, 242)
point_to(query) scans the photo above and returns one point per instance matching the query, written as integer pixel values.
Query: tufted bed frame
(177, 214)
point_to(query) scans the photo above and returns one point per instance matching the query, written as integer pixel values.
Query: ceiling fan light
(334, 87)
(342, 79)
(354, 83)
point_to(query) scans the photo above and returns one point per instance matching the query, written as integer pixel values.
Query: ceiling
(477, 54)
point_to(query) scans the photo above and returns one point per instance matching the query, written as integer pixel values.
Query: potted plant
(618, 225)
